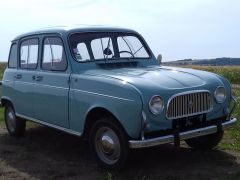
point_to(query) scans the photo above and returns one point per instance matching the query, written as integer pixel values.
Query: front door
(52, 84)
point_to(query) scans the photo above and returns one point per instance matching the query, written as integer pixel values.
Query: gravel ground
(48, 154)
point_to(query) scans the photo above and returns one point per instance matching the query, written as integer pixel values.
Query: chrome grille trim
(189, 103)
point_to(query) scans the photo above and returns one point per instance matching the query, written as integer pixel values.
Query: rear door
(52, 83)
(8, 80)
(24, 82)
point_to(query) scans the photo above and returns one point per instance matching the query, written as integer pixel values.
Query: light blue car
(105, 85)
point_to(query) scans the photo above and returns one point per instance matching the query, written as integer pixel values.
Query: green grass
(1, 116)
(232, 73)
(2, 68)
(231, 139)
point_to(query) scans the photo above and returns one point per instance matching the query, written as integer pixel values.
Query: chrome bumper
(183, 135)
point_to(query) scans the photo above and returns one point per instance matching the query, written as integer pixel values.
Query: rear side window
(54, 57)
(29, 54)
(12, 61)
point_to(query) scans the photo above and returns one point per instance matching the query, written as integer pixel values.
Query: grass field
(231, 139)
(232, 73)
(2, 68)
(1, 116)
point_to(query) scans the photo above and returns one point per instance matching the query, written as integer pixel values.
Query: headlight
(156, 105)
(220, 94)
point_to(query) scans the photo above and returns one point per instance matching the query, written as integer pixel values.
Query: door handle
(33, 77)
(39, 78)
(18, 76)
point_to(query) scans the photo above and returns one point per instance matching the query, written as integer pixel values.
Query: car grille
(189, 104)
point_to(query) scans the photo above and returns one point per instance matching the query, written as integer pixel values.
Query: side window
(81, 52)
(12, 61)
(29, 54)
(54, 57)
(24, 54)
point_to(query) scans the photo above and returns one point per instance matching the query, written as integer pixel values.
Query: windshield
(105, 46)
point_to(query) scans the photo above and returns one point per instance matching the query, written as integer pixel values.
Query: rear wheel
(108, 143)
(207, 142)
(15, 126)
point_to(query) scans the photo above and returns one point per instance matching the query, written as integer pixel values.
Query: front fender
(117, 97)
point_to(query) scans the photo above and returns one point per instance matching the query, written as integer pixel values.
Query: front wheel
(15, 126)
(108, 144)
(207, 142)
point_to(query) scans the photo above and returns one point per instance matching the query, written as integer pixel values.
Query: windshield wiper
(138, 50)
(127, 44)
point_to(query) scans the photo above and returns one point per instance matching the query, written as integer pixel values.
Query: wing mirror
(159, 59)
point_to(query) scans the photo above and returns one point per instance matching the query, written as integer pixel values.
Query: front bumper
(182, 135)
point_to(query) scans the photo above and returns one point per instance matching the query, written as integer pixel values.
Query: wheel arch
(94, 115)
(5, 101)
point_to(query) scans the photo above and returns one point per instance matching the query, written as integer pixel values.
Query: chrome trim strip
(7, 81)
(183, 135)
(104, 95)
(23, 82)
(39, 84)
(69, 131)
(185, 93)
(56, 87)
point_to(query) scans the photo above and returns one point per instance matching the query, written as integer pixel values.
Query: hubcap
(107, 145)
(11, 119)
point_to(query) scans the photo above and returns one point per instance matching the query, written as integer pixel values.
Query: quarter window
(54, 57)
(12, 62)
(29, 54)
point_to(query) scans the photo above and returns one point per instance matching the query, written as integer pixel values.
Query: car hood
(158, 77)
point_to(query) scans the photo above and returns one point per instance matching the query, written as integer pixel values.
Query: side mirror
(159, 59)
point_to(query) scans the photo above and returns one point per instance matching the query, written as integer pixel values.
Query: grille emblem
(190, 104)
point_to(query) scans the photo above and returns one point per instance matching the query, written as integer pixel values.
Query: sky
(177, 29)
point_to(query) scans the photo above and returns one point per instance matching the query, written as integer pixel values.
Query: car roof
(74, 28)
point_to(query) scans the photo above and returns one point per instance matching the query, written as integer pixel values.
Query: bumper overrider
(173, 138)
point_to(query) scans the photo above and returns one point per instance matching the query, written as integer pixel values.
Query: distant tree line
(207, 62)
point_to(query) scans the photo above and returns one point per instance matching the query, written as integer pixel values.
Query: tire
(207, 142)
(108, 144)
(15, 126)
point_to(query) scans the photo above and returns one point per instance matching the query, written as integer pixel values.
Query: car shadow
(48, 154)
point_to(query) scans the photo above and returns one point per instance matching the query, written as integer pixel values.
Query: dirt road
(48, 154)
